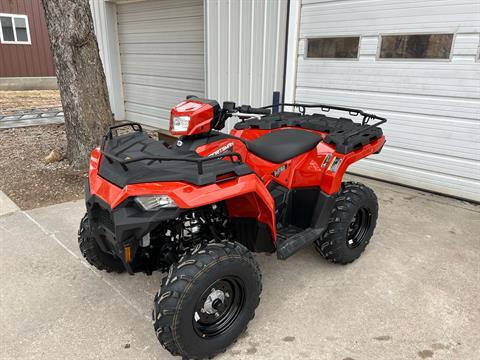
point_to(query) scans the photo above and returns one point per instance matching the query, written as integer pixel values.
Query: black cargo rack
(326, 108)
(109, 135)
(365, 126)
(123, 162)
(234, 157)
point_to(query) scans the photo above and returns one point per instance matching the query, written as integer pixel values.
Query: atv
(200, 207)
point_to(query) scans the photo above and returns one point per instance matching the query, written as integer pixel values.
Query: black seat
(282, 145)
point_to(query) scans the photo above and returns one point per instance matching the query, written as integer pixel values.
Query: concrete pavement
(414, 293)
(7, 206)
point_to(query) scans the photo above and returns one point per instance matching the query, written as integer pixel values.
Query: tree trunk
(80, 76)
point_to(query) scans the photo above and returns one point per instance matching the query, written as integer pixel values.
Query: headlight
(180, 123)
(155, 202)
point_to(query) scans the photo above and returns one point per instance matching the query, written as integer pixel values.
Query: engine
(167, 243)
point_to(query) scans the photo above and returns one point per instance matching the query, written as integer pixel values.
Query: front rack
(235, 157)
(123, 162)
(109, 135)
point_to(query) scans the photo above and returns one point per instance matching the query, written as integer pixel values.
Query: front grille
(102, 217)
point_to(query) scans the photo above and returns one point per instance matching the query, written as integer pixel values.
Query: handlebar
(247, 109)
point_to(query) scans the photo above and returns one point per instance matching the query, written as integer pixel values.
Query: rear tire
(207, 299)
(351, 224)
(92, 252)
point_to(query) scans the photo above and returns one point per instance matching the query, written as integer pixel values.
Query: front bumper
(120, 228)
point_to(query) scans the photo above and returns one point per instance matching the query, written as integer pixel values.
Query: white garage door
(432, 101)
(162, 56)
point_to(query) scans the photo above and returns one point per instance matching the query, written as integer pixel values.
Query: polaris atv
(200, 207)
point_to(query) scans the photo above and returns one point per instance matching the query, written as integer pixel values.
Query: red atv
(199, 208)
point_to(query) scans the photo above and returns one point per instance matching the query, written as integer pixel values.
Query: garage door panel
(447, 147)
(430, 162)
(181, 71)
(159, 5)
(168, 25)
(367, 17)
(170, 61)
(409, 68)
(155, 121)
(192, 48)
(434, 16)
(158, 97)
(335, 80)
(162, 56)
(414, 73)
(415, 104)
(152, 111)
(161, 14)
(460, 137)
(433, 181)
(197, 86)
(433, 107)
(164, 38)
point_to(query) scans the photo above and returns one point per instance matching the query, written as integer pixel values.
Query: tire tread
(184, 274)
(92, 252)
(352, 195)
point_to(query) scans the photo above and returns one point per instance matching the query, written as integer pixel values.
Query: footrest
(292, 239)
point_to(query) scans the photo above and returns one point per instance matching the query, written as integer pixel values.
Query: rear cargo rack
(326, 108)
(353, 112)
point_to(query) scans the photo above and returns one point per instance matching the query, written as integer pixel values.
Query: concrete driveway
(414, 294)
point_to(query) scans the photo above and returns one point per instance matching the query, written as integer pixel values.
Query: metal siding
(433, 133)
(104, 16)
(27, 60)
(245, 47)
(162, 56)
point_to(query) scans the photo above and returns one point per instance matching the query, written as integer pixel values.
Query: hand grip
(247, 109)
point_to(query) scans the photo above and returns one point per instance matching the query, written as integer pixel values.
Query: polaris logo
(223, 149)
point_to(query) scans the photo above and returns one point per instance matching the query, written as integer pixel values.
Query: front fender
(246, 196)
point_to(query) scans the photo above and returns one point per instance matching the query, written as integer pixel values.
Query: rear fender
(339, 163)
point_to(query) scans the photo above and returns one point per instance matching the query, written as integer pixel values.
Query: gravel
(26, 177)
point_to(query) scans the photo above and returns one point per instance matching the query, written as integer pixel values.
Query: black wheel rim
(219, 307)
(358, 228)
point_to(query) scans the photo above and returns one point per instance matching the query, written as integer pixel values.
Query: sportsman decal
(223, 149)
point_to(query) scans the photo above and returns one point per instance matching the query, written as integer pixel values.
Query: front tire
(92, 252)
(207, 299)
(351, 224)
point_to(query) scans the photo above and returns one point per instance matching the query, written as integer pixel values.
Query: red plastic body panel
(201, 116)
(313, 168)
(245, 196)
